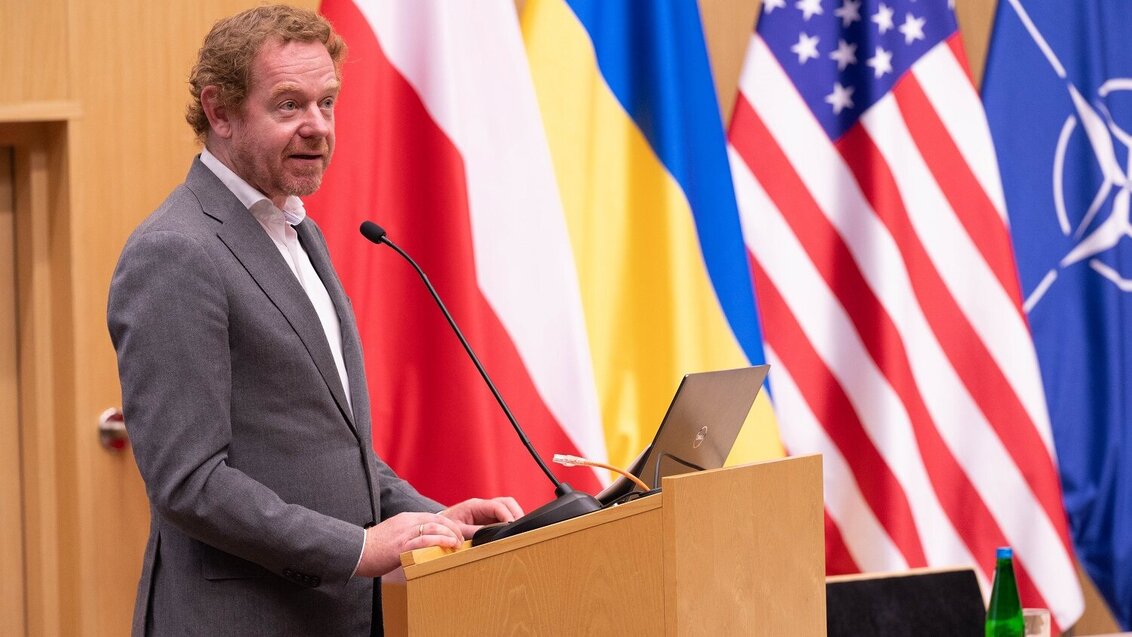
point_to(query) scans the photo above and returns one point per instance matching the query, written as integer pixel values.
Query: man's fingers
(433, 539)
(499, 510)
(451, 525)
(512, 508)
(438, 525)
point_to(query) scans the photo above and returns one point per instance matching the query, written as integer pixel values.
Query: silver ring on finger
(420, 531)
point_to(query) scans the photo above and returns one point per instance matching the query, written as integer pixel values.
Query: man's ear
(219, 116)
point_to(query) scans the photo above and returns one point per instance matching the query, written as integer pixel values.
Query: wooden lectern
(734, 551)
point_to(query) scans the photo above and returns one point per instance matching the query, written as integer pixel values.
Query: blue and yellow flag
(627, 98)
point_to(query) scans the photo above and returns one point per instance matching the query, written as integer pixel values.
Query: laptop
(698, 431)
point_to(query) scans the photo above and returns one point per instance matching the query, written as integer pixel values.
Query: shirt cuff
(365, 534)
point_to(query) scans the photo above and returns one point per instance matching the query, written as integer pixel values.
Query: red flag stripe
(837, 558)
(969, 202)
(945, 78)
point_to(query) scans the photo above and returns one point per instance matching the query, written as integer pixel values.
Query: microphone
(568, 503)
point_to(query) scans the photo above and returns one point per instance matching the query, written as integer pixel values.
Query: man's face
(283, 135)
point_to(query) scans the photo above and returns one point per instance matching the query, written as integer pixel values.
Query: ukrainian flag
(633, 123)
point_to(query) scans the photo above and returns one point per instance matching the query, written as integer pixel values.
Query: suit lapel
(311, 238)
(315, 248)
(254, 250)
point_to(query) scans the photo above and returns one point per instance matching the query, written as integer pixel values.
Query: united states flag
(874, 215)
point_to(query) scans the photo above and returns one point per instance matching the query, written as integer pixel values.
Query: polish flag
(439, 140)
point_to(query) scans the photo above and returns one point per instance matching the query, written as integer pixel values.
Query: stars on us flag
(806, 48)
(883, 18)
(880, 62)
(841, 97)
(913, 29)
(770, 5)
(809, 8)
(845, 55)
(849, 12)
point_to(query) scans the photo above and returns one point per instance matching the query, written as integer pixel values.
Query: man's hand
(409, 531)
(471, 514)
(405, 532)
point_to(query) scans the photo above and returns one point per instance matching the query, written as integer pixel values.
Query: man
(242, 378)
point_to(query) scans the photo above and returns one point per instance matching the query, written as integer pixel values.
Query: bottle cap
(1004, 552)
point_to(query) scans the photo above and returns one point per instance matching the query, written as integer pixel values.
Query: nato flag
(1058, 94)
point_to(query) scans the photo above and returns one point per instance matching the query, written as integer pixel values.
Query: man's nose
(316, 122)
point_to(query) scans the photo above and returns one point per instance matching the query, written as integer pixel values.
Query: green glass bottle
(1004, 615)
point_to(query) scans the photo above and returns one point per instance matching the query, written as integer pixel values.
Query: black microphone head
(372, 231)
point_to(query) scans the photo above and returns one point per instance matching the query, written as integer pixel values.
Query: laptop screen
(699, 429)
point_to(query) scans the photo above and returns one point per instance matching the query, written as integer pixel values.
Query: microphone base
(568, 504)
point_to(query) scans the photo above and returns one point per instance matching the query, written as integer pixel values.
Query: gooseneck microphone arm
(567, 503)
(376, 234)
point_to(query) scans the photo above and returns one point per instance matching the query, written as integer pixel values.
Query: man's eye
(289, 105)
(328, 103)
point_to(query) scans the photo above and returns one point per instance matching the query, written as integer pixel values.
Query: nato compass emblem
(1102, 226)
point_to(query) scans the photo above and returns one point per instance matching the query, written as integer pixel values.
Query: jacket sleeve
(398, 496)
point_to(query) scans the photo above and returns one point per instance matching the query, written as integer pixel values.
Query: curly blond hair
(225, 58)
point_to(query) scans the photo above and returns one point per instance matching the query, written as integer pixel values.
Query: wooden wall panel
(728, 25)
(44, 465)
(33, 51)
(976, 18)
(12, 579)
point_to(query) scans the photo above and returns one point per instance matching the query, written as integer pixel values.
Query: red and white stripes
(440, 139)
(893, 321)
(467, 63)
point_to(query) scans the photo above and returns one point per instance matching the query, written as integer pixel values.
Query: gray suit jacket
(260, 476)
